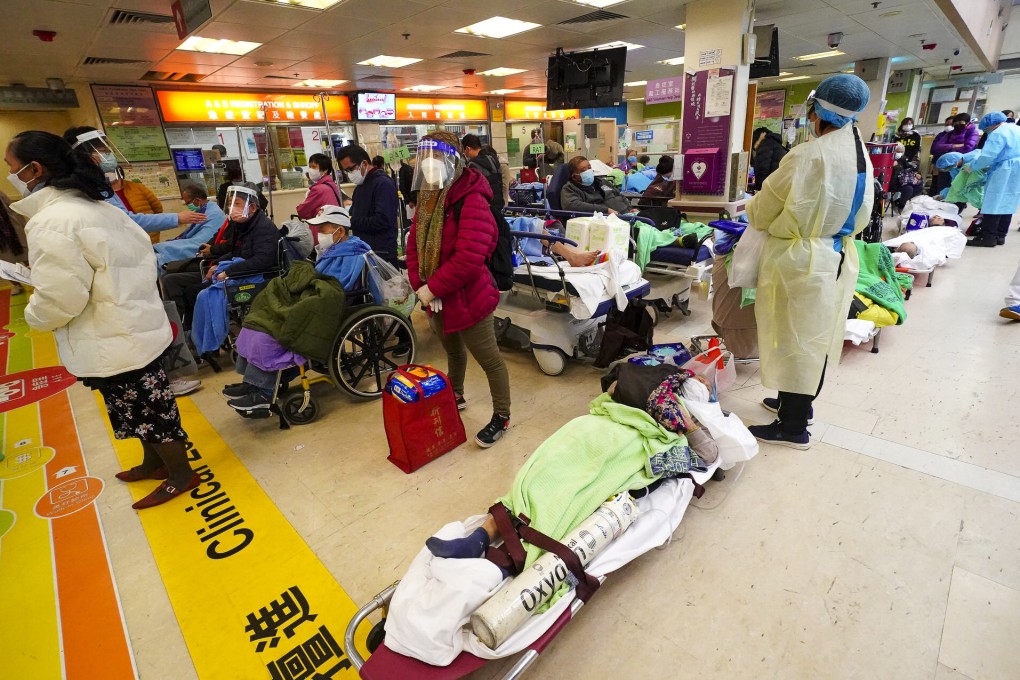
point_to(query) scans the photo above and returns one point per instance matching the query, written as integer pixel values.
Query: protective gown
(1000, 159)
(801, 306)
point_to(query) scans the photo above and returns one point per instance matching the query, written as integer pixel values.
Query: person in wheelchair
(250, 240)
(260, 355)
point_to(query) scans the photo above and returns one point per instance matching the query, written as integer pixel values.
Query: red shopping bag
(422, 430)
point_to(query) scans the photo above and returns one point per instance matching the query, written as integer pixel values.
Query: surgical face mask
(194, 208)
(356, 175)
(588, 177)
(18, 183)
(433, 170)
(632, 159)
(948, 128)
(668, 176)
(108, 164)
(907, 128)
(325, 241)
(899, 156)
(314, 174)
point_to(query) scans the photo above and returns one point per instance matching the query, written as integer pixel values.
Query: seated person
(192, 238)
(259, 354)
(250, 236)
(528, 173)
(582, 194)
(906, 180)
(663, 186)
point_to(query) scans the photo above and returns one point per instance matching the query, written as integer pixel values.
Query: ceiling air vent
(463, 54)
(108, 61)
(127, 17)
(172, 77)
(592, 17)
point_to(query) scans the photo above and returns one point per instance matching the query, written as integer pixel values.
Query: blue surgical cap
(840, 98)
(990, 119)
(948, 160)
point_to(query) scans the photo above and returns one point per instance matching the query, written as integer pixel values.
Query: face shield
(241, 203)
(106, 154)
(436, 165)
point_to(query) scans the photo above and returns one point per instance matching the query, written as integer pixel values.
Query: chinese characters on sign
(420, 108)
(240, 107)
(706, 131)
(527, 110)
(664, 90)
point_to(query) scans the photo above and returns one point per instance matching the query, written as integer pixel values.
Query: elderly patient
(297, 315)
(191, 239)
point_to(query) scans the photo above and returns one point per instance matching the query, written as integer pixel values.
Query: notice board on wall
(131, 121)
(708, 97)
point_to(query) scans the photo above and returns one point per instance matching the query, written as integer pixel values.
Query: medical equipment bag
(422, 430)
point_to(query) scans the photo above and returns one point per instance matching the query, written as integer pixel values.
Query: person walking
(94, 275)
(1000, 160)
(452, 237)
(810, 208)
(375, 204)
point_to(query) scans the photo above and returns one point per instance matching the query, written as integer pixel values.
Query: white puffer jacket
(94, 274)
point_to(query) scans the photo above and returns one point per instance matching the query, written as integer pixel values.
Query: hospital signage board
(644, 135)
(131, 119)
(517, 109)
(178, 106)
(664, 90)
(427, 109)
(706, 138)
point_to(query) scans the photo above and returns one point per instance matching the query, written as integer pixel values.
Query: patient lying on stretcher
(639, 433)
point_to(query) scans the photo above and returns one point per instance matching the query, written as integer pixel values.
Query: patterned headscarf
(431, 211)
(666, 406)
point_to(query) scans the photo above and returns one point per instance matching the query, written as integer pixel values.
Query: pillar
(875, 73)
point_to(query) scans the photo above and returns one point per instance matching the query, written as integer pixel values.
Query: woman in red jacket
(452, 236)
(322, 188)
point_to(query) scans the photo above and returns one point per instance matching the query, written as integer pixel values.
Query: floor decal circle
(22, 461)
(69, 497)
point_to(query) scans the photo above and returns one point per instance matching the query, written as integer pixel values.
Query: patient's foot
(580, 259)
(460, 548)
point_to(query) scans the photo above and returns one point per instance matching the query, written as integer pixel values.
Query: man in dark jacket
(583, 194)
(485, 160)
(963, 139)
(768, 151)
(374, 210)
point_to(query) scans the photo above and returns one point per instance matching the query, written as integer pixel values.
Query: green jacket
(302, 310)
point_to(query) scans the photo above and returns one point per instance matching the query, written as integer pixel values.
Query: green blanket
(877, 270)
(650, 238)
(968, 187)
(585, 462)
(696, 228)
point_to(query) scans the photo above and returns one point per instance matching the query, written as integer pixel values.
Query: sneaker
(252, 402)
(236, 390)
(181, 386)
(491, 433)
(773, 434)
(982, 242)
(1012, 312)
(461, 402)
(772, 404)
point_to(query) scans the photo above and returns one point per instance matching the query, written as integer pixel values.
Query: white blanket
(594, 284)
(937, 242)
(859, 331)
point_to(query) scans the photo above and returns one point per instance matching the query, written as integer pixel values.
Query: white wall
(1005, 95)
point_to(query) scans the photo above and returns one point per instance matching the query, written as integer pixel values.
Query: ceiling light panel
(503, 71)
(501, 92)
(312, 82)
(598, 3)
(618, 43)
(498, 27)
(676, 61)
(308, 4)
(423, 88)
(389, 62)
(214, 46)
(819, 55)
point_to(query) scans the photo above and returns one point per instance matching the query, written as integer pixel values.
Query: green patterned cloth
(877, 270)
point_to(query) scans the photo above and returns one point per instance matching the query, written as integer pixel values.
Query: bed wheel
(683, 305)
(376, 636)
(292, 409)
(551, 361)
(719, 475)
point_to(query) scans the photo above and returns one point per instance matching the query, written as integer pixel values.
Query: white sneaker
(182, 386)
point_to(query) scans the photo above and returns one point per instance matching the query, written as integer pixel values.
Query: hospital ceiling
(95, 43)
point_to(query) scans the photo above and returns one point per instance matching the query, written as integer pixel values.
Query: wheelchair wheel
(291, 408)
(373, 343)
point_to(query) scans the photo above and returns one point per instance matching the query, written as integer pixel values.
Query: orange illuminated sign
(522, 110)
(420, 108)
(248, 107)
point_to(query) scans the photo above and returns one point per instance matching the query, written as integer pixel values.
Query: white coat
(801, 307)
(94, 274)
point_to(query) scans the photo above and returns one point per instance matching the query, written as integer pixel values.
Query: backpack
(500, 262)
(493, 177)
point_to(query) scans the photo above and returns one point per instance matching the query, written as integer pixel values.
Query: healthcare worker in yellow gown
(810, 208)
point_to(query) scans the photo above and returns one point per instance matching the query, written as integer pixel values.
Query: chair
(558, 180)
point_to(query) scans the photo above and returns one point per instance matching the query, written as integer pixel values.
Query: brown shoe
(165, 492)
(135, 474)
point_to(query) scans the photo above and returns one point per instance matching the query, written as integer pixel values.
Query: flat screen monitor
(376, 106)
(188, 160)
(586, 79)
(766, 53)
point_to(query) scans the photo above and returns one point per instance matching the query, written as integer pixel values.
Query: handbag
(421, 430)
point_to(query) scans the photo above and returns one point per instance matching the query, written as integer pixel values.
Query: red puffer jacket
(462, 280)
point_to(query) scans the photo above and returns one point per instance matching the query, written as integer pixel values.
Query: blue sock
(460, 548)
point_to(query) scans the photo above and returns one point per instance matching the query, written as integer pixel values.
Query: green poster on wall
(143, 143)
(513, 145)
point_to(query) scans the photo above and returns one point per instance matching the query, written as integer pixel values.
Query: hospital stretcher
(662, 511)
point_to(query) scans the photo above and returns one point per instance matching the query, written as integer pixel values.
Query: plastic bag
(389, 287)
(734, 441)
(717, 365)
(747, 259)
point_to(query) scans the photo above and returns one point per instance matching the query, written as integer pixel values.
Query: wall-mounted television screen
(586, 79)
(376, 106)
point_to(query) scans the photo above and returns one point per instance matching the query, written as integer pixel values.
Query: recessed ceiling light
(498, 27)
(214, 46)
(319, 83)
(636, 83)
(788, 80)
(599, 3)
(388, 62)
(783, 73)
(676, 61)
(501, 91)
(681, 27)
(310, 4)
(422, 88)
(502, 71)
(617, 43)
(819, 55)
(894, 13)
